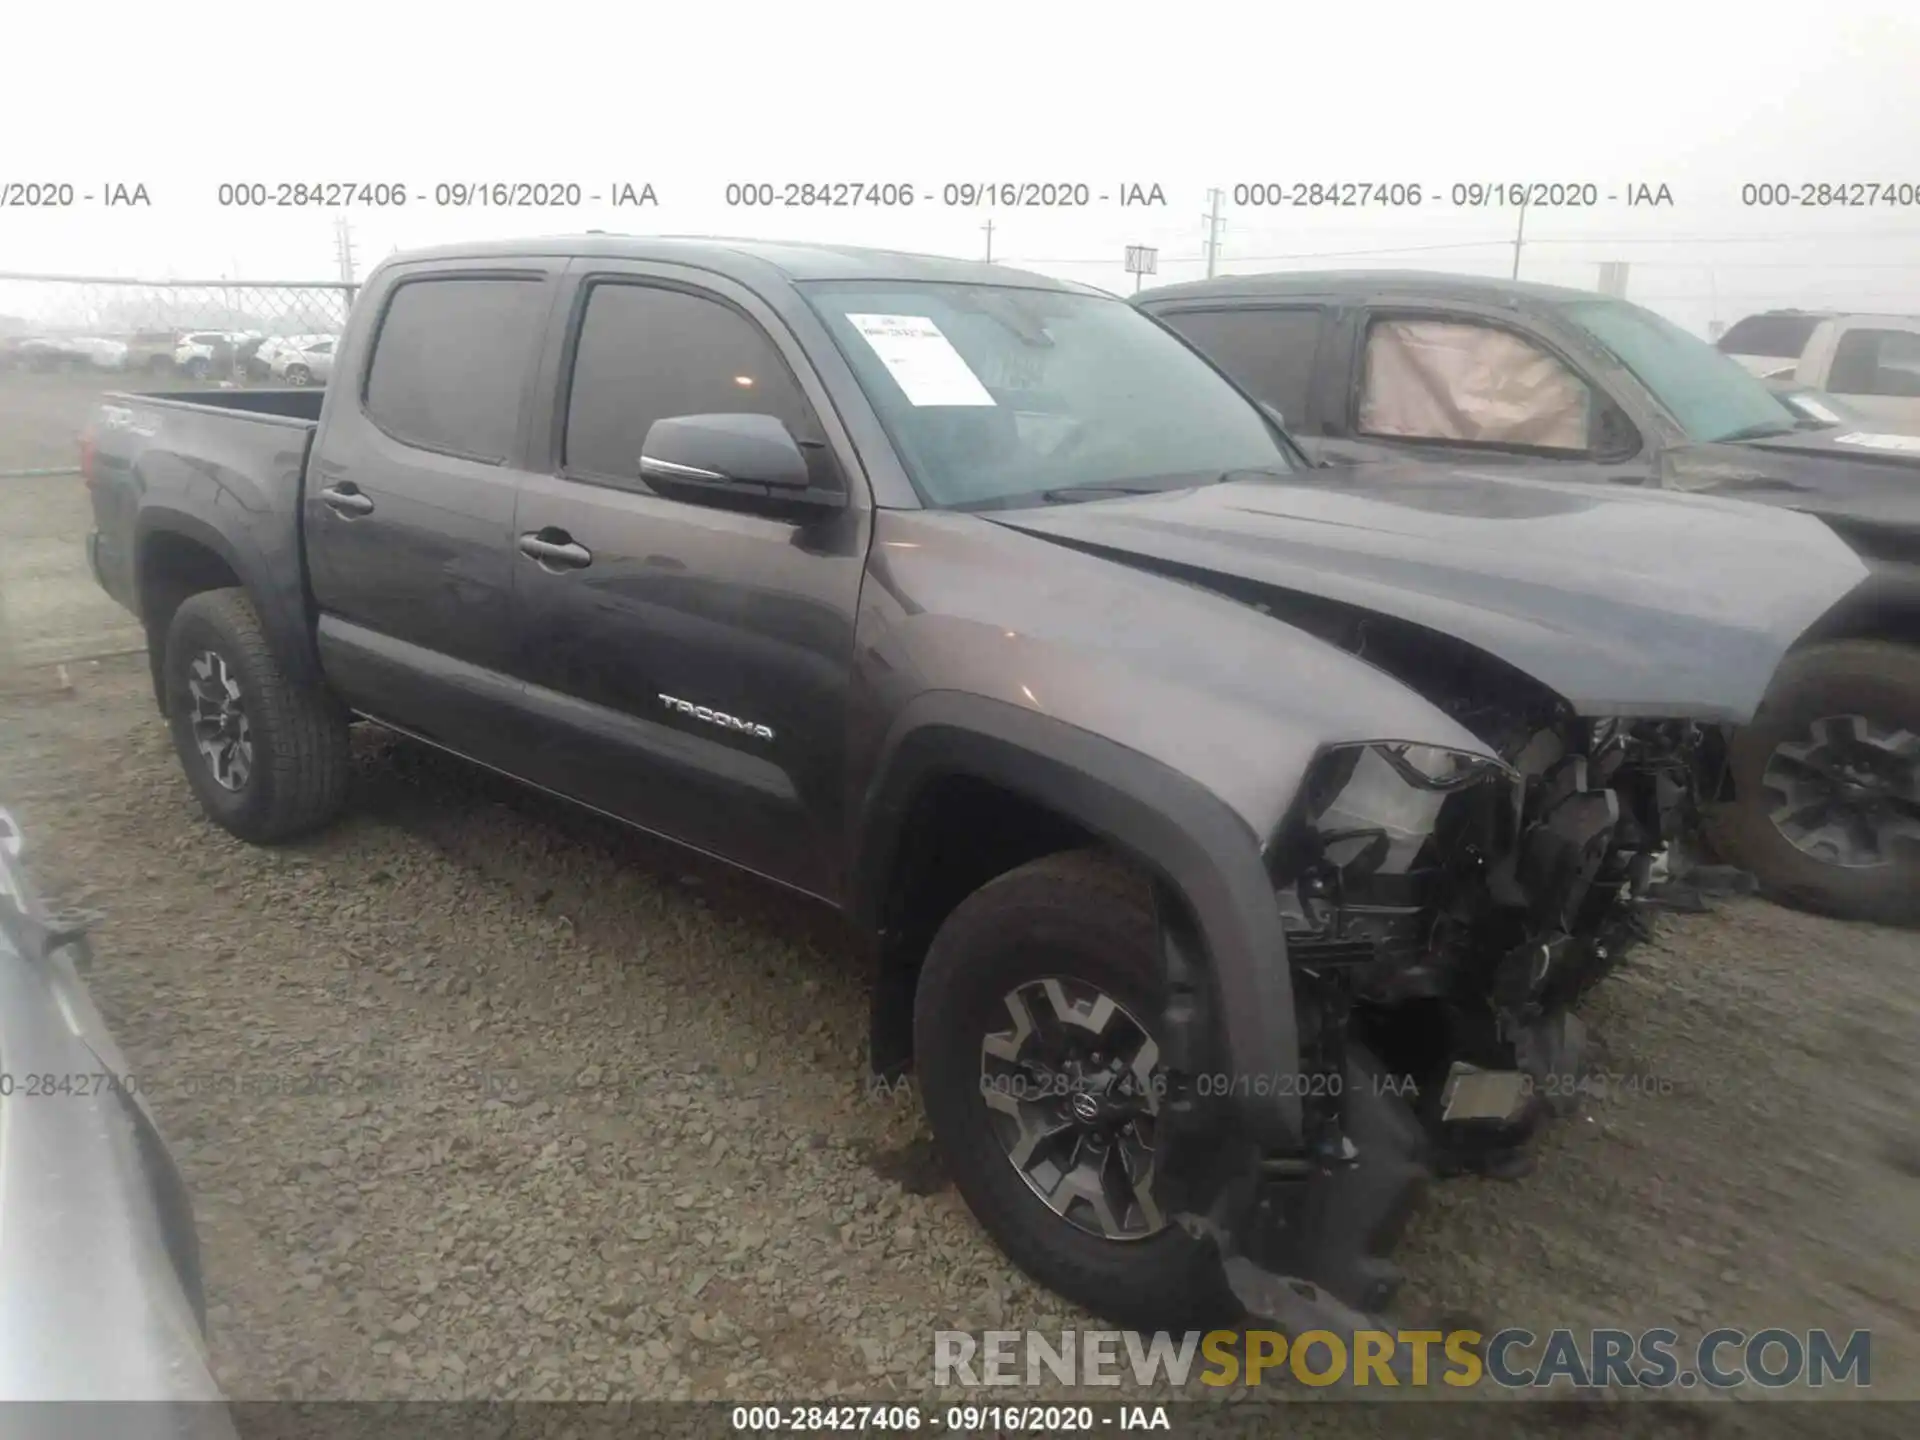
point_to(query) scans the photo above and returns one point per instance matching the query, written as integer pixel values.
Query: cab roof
(1484, 289)
(748, 260)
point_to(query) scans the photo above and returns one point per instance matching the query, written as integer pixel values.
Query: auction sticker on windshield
(1879, 442)
(921, 360)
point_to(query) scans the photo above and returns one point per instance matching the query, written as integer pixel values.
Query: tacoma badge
(714, 717)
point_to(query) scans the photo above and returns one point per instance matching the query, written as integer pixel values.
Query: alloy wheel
(1073, 1087)
(221, 729)
(1848, 791)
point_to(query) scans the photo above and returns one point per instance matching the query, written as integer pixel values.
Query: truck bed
(289, 404)
(220, 470)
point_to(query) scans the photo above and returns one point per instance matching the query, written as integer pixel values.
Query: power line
(1811, 236)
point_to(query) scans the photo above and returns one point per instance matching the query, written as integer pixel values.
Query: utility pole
(343, 248)
(1519, 239)
(1214, 222)
(988, 227)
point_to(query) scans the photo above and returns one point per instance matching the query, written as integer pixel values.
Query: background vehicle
(978, 607)
(204, 353)
(1871, 362)
(261, 365)
(1771, 343)
(152, 350)
(101, 352)
(47, 353)
(1824, 786)
(305, 362)
(246, 357)
(99, 1262)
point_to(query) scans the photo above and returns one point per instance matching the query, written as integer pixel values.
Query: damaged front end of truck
(1444, 912)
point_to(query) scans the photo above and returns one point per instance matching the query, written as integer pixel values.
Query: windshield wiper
(1066, 494)
(1106, 490)
(1761, 431)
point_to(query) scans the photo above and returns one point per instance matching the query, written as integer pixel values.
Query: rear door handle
(346, 499)
(555, 550)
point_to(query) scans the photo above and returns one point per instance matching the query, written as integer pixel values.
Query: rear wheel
(266, 758)
(1039, 1067)
(299, 375)
(1827, 783)
(198, 368)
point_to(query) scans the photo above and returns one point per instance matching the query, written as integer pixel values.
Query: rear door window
(1457, 381)
(450, 363)
(1269, 352)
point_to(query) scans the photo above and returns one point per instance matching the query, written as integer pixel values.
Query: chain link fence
(198, 329)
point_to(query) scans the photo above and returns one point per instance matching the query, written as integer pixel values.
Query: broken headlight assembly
(1379, 829)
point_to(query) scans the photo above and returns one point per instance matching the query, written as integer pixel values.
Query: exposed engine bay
(1448, 912)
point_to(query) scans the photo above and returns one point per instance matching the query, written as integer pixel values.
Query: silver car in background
(304, 360)
(100, 1290)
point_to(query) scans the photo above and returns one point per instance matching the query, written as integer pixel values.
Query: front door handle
(346, 499)
(555, 550)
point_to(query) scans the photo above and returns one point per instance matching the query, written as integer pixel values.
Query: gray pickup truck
(1820, 796)
(1231, 838)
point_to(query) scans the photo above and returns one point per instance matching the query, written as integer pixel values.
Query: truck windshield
(1710, 396)
(996, 396)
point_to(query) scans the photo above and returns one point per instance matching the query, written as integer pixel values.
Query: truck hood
(1863, 479)
(1623, 602)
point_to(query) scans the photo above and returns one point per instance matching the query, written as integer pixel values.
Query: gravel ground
(480, 1096)
(483, 1097)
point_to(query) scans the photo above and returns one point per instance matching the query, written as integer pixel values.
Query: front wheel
(266, 758)
(1826, 809)
(299, 375)
(1034, 1042)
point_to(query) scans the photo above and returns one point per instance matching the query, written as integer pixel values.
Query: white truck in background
(1870, 363)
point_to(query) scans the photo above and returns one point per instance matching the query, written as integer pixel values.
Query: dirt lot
(479, 1096)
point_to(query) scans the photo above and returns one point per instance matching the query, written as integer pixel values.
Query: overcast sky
(1702, 99)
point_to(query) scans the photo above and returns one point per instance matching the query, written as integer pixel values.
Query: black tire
(1085, 917)
(297, 778)
(1872, 678)
(298, 375)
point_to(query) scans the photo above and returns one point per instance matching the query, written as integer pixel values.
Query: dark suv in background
(1822, 789)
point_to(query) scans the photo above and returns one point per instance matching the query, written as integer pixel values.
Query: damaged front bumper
(1443, 914)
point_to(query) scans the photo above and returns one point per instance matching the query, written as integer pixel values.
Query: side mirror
(748, 457)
